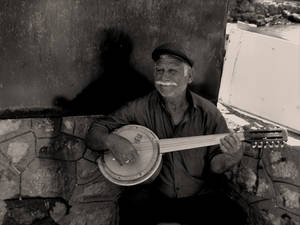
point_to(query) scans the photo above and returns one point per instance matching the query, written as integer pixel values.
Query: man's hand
(232, 146)
(232, 149)
(123, 151)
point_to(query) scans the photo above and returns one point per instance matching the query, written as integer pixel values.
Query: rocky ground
(264, 12)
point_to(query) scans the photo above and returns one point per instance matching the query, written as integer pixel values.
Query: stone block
(274, 9)
(285, 169)
(20, 151)
(284, 164)
(273, 214)
(68, 125)
(293, 7)
(10, 128)
(245, 176)
(58, 211)
(30, 211)
(251, 180)
(82, 125)
(91, 155)
(62, 147)
(245, 6)
(98, 190)
(264, 186)
(49, 178)
(9, 182)
(3, 211)
(87, 171)
(274, 219)
(289, 197)
(260, 9)
(46, 127)
(97, 213)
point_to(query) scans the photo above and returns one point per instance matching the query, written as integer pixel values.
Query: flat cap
(172, 49)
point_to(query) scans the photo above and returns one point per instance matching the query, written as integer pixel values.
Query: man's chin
(166, 93)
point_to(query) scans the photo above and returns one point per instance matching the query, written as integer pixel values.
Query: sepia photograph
(149, 112)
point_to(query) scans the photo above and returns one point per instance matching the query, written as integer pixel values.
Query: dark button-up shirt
(183, 172)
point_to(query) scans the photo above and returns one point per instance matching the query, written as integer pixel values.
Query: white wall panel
(261, 75)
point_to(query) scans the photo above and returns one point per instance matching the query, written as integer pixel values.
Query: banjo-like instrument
(150, 149)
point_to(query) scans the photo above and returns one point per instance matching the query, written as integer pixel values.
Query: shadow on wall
(117, 84)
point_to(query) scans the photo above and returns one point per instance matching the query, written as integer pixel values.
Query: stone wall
(264, 12)
(48, 176)
(267, 181)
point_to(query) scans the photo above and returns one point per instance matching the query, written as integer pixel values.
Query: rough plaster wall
(50, 47)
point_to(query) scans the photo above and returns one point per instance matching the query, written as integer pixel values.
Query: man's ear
(190, 75)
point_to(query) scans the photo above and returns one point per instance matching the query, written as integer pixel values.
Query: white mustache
(166, 83)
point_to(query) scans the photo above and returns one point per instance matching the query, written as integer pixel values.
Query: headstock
(272, 137)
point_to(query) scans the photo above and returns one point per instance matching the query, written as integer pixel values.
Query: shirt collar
(189, 95)
(191, 98)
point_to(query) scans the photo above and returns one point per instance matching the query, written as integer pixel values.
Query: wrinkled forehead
(169, 60)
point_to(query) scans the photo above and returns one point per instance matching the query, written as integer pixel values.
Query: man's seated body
(181, 193)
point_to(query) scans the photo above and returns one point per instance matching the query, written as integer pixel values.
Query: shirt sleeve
(132, 113)
(216, 125)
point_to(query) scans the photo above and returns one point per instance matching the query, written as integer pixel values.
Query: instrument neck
(185, 143)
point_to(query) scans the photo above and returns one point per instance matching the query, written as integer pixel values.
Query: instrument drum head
(145, 167)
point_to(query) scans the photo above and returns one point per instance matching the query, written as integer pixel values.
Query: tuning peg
(282, 144)
(254, 145)
(272, 144)
(260, 145)
(265, 144)
(277, 144)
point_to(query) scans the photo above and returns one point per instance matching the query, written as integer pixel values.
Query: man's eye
(172, 71)
(159, 70)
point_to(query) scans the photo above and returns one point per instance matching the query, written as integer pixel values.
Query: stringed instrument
(150, 149)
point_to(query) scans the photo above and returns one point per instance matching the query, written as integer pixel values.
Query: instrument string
(180, 143)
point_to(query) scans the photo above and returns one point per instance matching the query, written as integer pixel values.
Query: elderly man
(182, 192)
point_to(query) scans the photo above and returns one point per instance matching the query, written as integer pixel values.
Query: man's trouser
(142, 205)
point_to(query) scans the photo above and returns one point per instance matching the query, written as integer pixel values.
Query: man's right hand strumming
(123, 151)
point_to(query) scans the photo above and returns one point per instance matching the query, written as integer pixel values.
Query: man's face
(171, 76)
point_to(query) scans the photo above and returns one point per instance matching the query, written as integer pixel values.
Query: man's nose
(166, 75)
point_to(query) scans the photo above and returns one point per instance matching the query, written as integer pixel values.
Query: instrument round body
(147, 165)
